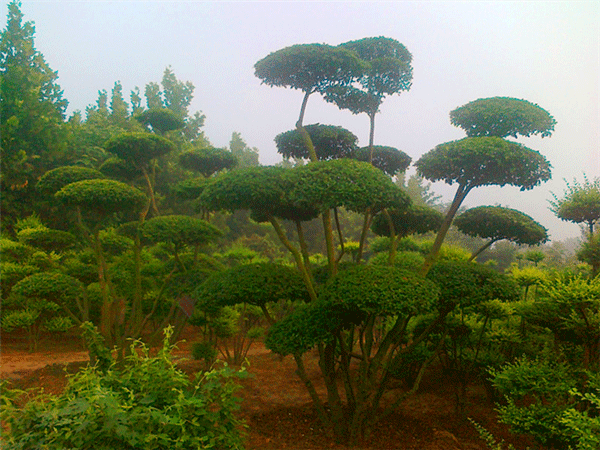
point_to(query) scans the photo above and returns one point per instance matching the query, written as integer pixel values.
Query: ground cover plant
(145, 403)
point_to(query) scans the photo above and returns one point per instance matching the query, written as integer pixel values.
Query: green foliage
(190, 189)
(497, 223)
(302, 330)
(590, 252)
(330, 142)
(47, 239)
(160, 120)
(139, 148)
(120, 169)
(502, 117)
(580, 203)
(54, 180)
(255, 284)
(179, 230)
(263, 190)
(389, 160)
(208, 161)
(32, 112)
(147, 404)
(309, 67)
(381, 291)
(484, 161)
(465, 284)
(541, 400)
(386, 71)
(413, 220)
(102, 197)
(356, 186)
(51, 286)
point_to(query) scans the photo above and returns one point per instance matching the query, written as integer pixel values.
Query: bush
(148, 404)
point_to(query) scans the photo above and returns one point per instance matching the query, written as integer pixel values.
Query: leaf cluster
(255, 284)
(484, 161)
(208, 161)
(502, 117)
(414, 219)
(146, 404)
(497, 223)
(102, 196)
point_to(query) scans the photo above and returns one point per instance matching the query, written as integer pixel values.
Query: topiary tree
(309, 68)
(496, 223)
(388, 71)
(141, 151)
(97, 202)
(579, 204)
(54, 180)
(480, 161)
(503, 117)
(36, 303)
(400, 223)
(389, 160)
(343, 325)
(160, 120)
(208, 161)
(330, 142)
(180, 231)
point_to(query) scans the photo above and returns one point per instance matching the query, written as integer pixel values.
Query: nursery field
(276, 406)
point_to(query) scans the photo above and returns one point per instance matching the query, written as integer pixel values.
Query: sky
(545, 52)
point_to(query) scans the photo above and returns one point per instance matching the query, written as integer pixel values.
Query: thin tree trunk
(459, 197)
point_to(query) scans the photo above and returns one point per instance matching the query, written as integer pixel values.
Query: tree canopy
(496, 223)
(208, 161)
(580, 203)
(330, 142)
(503, 117)
(389, 160)
(139, 148)
(309, 67)
(484, 161)
(416, 219)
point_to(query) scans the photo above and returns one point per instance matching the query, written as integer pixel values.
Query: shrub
(147, 404)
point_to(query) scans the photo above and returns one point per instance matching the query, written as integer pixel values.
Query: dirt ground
(277, 407)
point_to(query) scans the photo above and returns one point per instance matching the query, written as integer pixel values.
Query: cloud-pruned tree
(496, 223)
(484, 160)
(503, 117)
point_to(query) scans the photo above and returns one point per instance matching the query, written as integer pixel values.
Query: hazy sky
(545, 52)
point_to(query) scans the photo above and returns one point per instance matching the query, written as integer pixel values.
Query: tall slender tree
(32, 111)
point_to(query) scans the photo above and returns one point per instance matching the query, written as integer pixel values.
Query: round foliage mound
(51, 286)
(468, 284)
(120, 169)
(208, 161)
(102, 196)
(179, 230)
(139, 148)
(389, 160)
(160, 120)
(331, 142)
(379, 290)
(502, 117)
(47, 239)
(484, 161)
(497, 223)
(256, 284)
(415, 219)
(309, 67)
(54, 180)
(190, 189)
(263, 190)
(351, 184)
